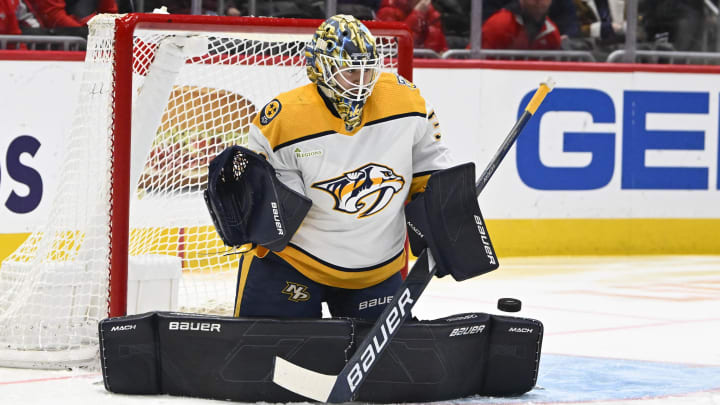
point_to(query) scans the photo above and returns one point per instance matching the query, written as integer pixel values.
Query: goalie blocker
(446, 218)
(247, 202)
(232, 358)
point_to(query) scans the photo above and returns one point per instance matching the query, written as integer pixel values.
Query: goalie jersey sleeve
(354, 234)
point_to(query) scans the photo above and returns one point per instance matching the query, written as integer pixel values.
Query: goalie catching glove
(247, 202)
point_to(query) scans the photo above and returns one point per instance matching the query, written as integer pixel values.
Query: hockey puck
(509, 304)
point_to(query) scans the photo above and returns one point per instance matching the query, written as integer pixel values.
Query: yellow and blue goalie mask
(342, 59)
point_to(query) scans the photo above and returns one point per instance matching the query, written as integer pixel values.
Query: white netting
(54, 288)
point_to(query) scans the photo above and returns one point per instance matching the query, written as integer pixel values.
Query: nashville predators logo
(297, 292)
(367, 190)
(270, 111)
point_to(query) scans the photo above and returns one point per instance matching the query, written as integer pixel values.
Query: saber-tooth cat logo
(365, 190)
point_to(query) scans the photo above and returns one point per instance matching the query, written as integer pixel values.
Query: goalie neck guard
(343, 61)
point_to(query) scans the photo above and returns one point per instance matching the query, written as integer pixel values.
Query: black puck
(509, 304)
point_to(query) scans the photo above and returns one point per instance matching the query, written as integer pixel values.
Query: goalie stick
(342, 387)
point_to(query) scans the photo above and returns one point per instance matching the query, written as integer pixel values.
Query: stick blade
(300, 380)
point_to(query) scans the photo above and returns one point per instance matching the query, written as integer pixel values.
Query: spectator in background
(207, 7)
(455, 21)
(596, 20)
(561, 12)
(422, 18)
(16, 15)
(360, 9)
(71, 13)
(8, 21)
(522, 24)
(680, 21)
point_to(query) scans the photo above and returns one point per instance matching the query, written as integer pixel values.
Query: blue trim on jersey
(395, 117)
(330, 132)
(301, 139)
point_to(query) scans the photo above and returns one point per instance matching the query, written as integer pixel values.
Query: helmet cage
(351, 79)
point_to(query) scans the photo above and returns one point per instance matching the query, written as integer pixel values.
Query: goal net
(161, 95)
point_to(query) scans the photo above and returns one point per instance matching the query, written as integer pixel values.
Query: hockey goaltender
(330, 227)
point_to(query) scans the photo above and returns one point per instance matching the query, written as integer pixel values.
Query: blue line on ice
(578, 379)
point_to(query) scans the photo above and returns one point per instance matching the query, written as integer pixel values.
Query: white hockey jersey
(354, 234)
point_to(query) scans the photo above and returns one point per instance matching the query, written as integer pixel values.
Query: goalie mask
(343, 61)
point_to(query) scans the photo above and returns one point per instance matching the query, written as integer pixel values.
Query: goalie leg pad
(128, 348)
(513, 357)
(232, 358)
(216, 357)
(455, 357)
(247, 202)
(447, 218)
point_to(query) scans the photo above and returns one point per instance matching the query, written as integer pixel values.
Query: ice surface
(618, 330)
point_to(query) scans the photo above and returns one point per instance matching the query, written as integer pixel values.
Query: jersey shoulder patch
(270, 111)
(283, 102)
(405, 82)
(293, 115)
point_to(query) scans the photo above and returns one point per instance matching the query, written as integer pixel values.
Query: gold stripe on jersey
(322, 273)
(392, 98)
(418, 185)
(247, 259)
(304, 115)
